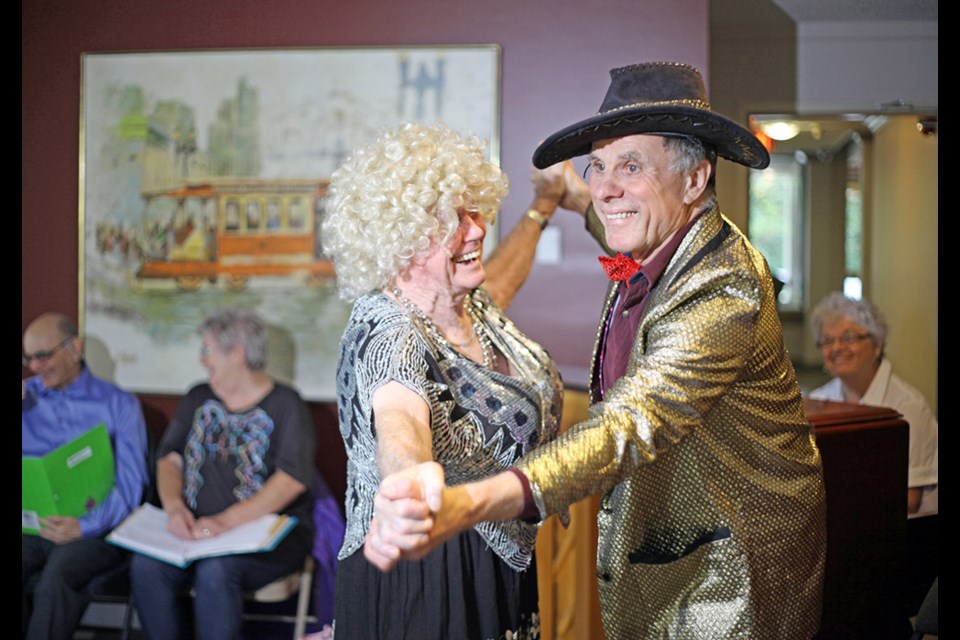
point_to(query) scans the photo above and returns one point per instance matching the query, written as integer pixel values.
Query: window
(853, 222)
(776, 223)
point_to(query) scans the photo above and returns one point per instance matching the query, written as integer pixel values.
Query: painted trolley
(232, 229)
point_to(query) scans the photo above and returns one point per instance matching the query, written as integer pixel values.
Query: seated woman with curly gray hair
(851, 335)
(431, 369)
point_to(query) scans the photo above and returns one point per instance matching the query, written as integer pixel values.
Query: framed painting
(203, 177)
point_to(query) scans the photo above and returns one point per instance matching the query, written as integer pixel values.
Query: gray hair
(239, 327)
(688, 153)
(67, 328)
(837, 306)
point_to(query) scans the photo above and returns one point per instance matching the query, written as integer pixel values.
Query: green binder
(69, 481)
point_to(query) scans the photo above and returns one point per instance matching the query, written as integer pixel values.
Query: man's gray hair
(687, 154)
(239, 327)
(67, 328)
(837, 306)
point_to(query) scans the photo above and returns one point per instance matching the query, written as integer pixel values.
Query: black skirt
(461, 590)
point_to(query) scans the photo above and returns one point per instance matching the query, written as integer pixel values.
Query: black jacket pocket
(643, 556)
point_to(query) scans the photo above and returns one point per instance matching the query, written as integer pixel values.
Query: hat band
(696, 104)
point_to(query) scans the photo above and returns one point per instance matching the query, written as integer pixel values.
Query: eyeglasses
(43, 356)
(844, 339)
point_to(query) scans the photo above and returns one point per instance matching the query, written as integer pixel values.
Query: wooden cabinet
(865, 452)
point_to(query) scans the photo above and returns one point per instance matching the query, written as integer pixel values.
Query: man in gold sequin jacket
(712, 518)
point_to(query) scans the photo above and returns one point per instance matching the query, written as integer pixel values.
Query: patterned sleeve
(382, 345)
(379, 345)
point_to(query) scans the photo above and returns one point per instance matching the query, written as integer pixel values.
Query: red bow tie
(620, 267)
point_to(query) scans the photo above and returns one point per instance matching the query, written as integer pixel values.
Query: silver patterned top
(482, 421)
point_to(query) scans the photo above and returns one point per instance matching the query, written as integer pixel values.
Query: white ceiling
(830, 134)
(862, 10)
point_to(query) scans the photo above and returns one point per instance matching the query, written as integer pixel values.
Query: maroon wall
(556, 54)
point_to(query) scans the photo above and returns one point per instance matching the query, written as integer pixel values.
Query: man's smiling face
(638, 196)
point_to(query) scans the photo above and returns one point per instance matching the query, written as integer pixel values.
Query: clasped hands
(413, 513)
(560, 184)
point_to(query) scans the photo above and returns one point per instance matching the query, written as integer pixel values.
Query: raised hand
(576, 194)
(548, 184)
(560, 185)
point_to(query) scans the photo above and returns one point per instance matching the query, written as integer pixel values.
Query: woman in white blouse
(851, 335)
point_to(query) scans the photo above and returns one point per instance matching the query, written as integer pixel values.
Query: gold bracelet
(538, 217)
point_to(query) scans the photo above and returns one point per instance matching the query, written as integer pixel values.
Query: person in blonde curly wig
(394, 196)
(430, 369)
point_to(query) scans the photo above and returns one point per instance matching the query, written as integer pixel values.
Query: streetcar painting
(232, 229)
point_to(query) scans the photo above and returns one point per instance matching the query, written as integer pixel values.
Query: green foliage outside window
(775, 224)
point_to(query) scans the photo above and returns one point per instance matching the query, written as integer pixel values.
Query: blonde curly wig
(390, 199)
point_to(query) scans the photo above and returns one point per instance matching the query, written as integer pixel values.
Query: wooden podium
(864, 451)
(865, 454)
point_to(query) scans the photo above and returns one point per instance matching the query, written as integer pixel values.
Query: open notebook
(145, 531)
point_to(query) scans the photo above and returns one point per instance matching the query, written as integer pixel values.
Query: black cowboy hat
(657, 98)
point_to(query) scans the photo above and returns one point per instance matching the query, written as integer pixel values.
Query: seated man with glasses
(851, 335)
(60, 402)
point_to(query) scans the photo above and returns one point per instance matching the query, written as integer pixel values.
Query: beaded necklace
(479, 331)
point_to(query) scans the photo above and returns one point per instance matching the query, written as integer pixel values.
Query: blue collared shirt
(53, 417)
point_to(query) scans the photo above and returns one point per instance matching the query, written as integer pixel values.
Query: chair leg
(127, 618)
(303, 599)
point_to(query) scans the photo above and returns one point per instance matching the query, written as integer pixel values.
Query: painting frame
(202, 176)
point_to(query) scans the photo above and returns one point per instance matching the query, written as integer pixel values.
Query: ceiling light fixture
(780, 130)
